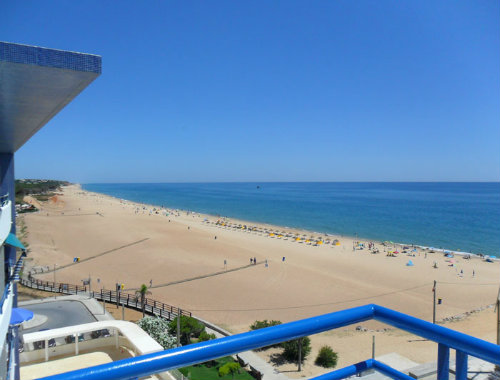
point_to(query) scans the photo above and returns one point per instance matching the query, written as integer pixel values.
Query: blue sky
(196, 91)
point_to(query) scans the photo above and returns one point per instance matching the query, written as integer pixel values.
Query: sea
(452, 216)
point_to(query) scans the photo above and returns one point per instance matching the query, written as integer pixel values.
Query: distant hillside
(42, 189)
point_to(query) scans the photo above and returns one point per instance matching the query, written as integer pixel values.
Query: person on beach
(254, 261)
(283, 259)
(251, 260)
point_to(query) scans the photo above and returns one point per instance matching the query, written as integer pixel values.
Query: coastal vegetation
(41, 189)
(229, 368)
(189, 328)
(225, 368)
(142, 292)
(326, 357)
(157, 328)
(292, 349)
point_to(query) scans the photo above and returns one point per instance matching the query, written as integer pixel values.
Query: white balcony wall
(5, 220)
(5, 317)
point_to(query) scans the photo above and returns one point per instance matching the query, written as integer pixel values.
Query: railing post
(443, 365)
(461, 365)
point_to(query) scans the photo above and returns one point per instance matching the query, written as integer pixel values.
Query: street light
(55, 292)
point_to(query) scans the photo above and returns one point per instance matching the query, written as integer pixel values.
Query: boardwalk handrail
(151, 306)
(200, 352)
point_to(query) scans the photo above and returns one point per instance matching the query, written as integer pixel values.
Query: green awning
(13, 241)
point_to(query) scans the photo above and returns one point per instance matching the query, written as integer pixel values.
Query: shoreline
(313, 280)
(296, 229)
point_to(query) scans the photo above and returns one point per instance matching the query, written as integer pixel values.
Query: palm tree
(142, 292)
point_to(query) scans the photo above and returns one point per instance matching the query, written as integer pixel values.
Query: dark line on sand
(202, 276)
(99, 255)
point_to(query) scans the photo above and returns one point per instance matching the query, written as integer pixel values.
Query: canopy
(19, 316)
(13, 241)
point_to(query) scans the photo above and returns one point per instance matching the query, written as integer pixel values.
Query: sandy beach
(134, 245)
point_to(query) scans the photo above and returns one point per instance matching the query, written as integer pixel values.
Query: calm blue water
(463, 216)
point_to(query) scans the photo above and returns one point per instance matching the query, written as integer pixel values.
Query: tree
(291, 349)
(190, 327)
(326, 357)
(157, 328)
(229, 368)
(142, 292)
(204, 336)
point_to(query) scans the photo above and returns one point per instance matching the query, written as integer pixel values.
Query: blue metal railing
(200, 352)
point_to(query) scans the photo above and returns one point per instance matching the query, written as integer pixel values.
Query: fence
(132, 301)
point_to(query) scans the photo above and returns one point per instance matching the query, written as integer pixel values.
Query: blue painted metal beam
(201, 352)
(461, 366)
(443, 364)
(451, 338)
(389, 371)
(361, 367)
(347, 371)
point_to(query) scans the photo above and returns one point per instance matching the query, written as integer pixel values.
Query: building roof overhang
(35, 84)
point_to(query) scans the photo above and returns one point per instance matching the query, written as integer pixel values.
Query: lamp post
(434, 303)
(497, 307)
(55, 292)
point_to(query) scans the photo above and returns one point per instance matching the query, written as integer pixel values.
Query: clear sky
(270, 90)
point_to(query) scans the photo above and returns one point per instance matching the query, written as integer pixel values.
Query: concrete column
(46, 350)
(76, 345)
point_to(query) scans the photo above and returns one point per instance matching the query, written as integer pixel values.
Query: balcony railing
(447, 339)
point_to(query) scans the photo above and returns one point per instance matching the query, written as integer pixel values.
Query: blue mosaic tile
(61, 59)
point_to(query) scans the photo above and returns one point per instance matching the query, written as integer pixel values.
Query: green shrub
(190, 327)
(291, 349)
(229, 368)
(326, 357)
(204, 336)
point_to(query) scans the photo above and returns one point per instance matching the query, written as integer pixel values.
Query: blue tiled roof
(34, 55)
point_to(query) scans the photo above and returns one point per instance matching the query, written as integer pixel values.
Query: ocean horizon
(449, 215)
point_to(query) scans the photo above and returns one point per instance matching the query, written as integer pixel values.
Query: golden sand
(311, 280)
